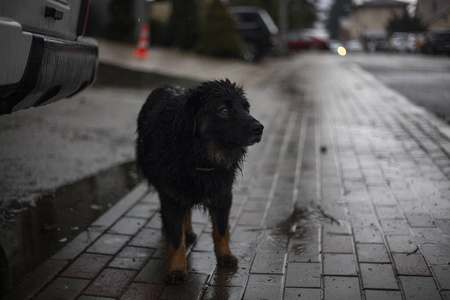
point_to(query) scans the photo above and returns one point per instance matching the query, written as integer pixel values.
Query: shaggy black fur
(190, 146)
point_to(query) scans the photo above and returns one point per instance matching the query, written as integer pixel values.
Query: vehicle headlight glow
(341, 50)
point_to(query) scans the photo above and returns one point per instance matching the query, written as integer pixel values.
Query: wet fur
(190, 151)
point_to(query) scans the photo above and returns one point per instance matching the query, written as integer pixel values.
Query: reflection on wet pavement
(32, 232)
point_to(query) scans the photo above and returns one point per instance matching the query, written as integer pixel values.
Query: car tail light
(83, 17)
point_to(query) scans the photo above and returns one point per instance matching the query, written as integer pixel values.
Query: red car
(304, 41)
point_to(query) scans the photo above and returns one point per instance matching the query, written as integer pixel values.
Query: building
(369, 20)
(435, 14)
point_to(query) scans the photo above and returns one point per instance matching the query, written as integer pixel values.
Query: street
(330, 145)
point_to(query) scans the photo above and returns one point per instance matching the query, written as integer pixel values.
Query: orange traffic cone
(142, 51)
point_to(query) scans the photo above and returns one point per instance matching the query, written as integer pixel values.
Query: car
(44, 55)
(303, 40)
(258, 31)
(436, 42)
(354, 46)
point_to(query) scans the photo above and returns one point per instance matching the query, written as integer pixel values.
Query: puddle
(31, 233)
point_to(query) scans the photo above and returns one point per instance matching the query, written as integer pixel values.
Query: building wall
(371, 20)
(434, 13)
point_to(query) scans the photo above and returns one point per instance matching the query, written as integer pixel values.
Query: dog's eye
(247, 107)
(224, 111)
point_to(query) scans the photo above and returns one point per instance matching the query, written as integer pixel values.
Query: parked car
(436, 42)
(43, 55)
(354, 46)
(259, 32)
(302, 40)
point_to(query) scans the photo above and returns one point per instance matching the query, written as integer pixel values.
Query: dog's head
(223, 116)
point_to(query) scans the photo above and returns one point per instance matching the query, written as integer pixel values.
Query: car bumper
(54, 69)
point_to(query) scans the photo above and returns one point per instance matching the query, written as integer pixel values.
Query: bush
(183, 26)
(121, 25)
(219, 35)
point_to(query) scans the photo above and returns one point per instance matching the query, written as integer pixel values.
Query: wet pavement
(346, 197)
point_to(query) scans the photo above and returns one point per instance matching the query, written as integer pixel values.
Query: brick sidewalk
(346, 197)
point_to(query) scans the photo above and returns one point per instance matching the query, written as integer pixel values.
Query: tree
(302, 14)
(219, 34)
(339, 9)
(184, 24)
(405, 23)
(121, 25)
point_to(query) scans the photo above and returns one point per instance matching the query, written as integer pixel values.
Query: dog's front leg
(173, 218)
(221, 232)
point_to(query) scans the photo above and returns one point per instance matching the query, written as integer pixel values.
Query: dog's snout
(257, 128)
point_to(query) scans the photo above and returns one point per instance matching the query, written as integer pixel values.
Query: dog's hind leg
(189, 233)
(221, 234)
(173, 226)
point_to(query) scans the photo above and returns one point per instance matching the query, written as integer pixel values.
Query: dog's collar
(205, 169)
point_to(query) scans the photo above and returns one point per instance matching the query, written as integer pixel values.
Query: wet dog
(190, 145)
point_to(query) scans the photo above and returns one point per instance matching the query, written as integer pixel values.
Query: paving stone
(341, 288)
(401, 243)
(110, 283)
(436, 254)
(378, 276)
(303, 252)
(63, 288)
(303, 294)
(201, 262)
(129, 226)
(190, 290)
(420, 219)
(395, 226)
(251, 218)
(367, 235)
(443, 276)
(372, 253)
(230, 277)
(269, 263)
(143, 291)
(132, 258)
(109, 244)
(303, 275)
(87, 266)
(411, 264)
(204, 242)
(147, 237)
(383, 295)
(143, 210)
(339, 264)
(264, 287)
(419, 288)
(388, 212)
(337, 244)
(220, 292)
(155, 222)
(153, 272)
(273, 241)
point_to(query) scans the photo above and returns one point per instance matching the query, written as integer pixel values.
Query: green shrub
(183, 26)
(219, 34)
(122, 24)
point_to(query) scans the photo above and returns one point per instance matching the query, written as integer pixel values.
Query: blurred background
(414, 26)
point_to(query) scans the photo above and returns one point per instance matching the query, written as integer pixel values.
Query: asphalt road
(425, 80)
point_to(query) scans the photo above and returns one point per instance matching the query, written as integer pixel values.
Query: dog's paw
(190, 237)
(176, 277)
(227, 261)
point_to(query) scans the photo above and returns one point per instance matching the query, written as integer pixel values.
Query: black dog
(190, 146)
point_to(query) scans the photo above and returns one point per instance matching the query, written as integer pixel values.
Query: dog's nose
(257, 128)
